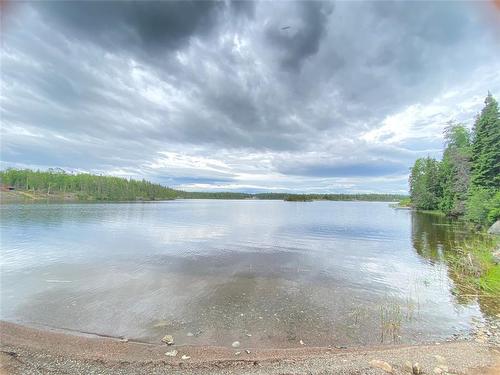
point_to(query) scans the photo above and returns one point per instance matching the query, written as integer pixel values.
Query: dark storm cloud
(152, 25)
(299, 35)
(113, 85)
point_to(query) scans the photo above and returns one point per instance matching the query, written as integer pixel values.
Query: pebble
(172, 353)
(416, 369)
(247, 351)
(248, 335)
(301, 342)
(235, 344)
(168, 339)
(381, 365)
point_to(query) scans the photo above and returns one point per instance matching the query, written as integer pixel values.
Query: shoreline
(26, 350)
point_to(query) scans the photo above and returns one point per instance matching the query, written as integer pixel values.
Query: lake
(209, 272)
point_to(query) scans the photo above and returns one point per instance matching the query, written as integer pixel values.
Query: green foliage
(455, 170)
(425, 188)
(405, 202)
(298, 198)
(486, 147)
(86, 186)
(467, 179)
(479, 205)
(91, 187)
(213, 195)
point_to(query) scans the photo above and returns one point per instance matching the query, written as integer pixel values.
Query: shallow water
(265, 273)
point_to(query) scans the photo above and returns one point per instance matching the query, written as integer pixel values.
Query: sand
(29, 350)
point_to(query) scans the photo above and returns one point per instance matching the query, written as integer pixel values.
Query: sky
(324, 97)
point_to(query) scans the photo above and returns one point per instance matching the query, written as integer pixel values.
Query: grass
(473, 268)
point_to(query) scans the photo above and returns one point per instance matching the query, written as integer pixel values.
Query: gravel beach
(28, 350)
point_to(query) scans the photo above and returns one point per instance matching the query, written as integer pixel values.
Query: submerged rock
(168, 339)
(235, 344)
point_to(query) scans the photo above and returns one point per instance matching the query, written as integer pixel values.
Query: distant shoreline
(23, 196)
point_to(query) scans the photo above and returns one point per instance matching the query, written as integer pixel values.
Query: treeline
(332, 197)
(85, 186)
(466, 182)
(213, 195)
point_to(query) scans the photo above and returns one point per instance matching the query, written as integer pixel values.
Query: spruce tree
(486, 147)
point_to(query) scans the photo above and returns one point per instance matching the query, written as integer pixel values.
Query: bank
(28, 350)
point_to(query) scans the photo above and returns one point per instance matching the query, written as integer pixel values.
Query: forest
(83, 186)
(466, 181)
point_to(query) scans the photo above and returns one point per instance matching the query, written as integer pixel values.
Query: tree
(486, 147)
(455, 169)
(425, 187)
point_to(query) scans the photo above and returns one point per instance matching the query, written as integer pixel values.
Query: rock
(416, 369)
(168, 339)
(248, 335)
(184, 357)
(235, 344)
(124, 340)
(247, 351)
(172, 353)
(495, 228)
(381, 365)
(408, 367)
(237, 353)
(190, 334)
(496, 256)
(301, 342)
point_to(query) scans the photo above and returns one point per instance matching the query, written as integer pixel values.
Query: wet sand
(29, 350)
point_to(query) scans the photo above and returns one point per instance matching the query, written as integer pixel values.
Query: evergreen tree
(486, 147)
(425, 185)
(455, 169)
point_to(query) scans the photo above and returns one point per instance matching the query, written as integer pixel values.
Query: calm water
(211, 272)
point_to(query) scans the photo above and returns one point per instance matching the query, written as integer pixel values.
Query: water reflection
(266, 273)
(437, 239)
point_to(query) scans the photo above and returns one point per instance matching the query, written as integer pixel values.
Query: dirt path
(27, 350)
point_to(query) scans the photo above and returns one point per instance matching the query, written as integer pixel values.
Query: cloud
(226, 95)
(346, 168)
(155, 26)
(302, 28)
